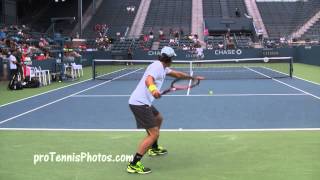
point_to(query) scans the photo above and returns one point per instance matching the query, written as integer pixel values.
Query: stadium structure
(104, 29)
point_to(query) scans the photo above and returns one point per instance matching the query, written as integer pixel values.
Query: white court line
(306, 80)
(54, 90)
(191, 95)
(58, 100)
(293, 76)
(317, 97)
(190, 81)
(163, 130)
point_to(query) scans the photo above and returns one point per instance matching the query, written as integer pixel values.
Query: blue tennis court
(248, 104)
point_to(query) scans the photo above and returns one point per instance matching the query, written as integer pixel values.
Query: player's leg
(145, 118)
(155, 148)
(136, 166)
(153, 135)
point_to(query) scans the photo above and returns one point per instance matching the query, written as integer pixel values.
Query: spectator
(237, 12)
(199, 52)
(19, 58)
(122, 39)
(206, 32)
(282, 40)
(130, 56)
(118, 34)
(161, 35)
(228, 34)
(151, 34)
(209, 46)
(170, 32)
(220, 45)
(176, 34)
(145, 38)
(185, 47)
(195, 38)
(13, 64)
(260, 34)
(181, 33)
(2, 35)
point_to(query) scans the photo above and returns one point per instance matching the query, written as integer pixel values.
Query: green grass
(308, 72)
(192, 155)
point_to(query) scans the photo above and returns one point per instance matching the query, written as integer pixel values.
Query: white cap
(168, 51)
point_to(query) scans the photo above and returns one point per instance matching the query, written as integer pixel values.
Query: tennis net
(251, 68)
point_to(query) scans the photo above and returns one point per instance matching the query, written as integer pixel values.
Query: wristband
(152, 87)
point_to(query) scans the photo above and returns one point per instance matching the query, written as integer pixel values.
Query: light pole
(80, 17)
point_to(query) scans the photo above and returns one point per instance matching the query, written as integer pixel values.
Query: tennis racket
(181, 84)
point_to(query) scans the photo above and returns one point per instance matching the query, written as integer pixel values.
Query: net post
(93, 70)
(291, 67)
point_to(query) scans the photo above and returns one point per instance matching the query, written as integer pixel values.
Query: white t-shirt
(12, 59)
(200, 52)
(141, 95)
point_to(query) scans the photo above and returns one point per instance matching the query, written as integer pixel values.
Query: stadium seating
(115, 15)
(313, 32)
(168, 14)
(56, 10)
(211, 8)
(243, 41)
(233, 4)
(123, 45)
(282, 18)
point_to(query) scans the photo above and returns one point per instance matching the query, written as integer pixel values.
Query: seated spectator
(185, 47)
(195, 38)
(181, 33)
(230, 43)
(40, 57)
(161, 35)
(220, 45)
(145, 38)
(171, 42)
(118, 34)
(199, 52)
(2, 35)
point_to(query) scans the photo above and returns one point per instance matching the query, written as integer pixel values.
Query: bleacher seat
(282, 18)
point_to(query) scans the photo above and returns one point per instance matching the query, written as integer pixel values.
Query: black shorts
(144, 115)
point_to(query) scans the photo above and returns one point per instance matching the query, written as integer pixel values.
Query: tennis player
(146, 115)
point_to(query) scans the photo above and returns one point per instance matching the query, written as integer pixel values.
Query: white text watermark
(81, 157)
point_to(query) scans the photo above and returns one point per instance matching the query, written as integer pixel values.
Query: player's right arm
(152, 87)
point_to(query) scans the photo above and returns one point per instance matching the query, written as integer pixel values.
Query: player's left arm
(182, 75)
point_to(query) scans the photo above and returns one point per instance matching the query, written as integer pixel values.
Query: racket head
(183, 84)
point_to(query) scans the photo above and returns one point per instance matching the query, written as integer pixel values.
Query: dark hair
(165, 58)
